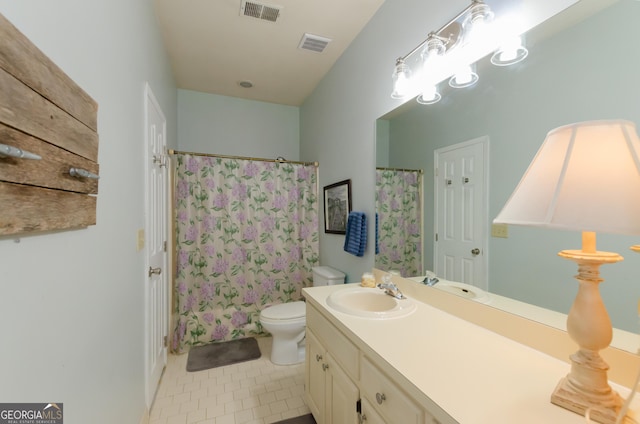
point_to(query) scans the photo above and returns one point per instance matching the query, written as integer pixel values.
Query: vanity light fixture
(585, 177)
(451, 51)
(401, 77)
(432, 57)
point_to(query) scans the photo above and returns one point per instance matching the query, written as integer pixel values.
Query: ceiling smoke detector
(260, 10)
(315, 43)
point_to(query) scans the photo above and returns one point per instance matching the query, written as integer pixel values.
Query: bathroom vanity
(422, 366)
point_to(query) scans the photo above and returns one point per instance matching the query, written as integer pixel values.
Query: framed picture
(337, 205)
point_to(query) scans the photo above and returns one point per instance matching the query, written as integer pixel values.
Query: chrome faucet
(430, 279)
(390, 288)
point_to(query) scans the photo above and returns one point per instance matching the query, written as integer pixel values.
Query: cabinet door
(390, 401)
(315, 377)
(369, 415)
(342, 395)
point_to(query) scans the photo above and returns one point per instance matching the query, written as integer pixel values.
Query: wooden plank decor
(42, 111)
(43, 209)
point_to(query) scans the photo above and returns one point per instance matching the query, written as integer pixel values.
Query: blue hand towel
(355, 239)
(377, 236)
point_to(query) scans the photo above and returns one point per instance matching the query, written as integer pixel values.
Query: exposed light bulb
(464, 77)
(429, 95)
(510, 52)
(401, 80)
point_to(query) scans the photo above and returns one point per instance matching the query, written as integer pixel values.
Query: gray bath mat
(305, 419)
(224, 353)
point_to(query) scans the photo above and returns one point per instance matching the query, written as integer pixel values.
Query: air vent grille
(260, 11)
(315, 43)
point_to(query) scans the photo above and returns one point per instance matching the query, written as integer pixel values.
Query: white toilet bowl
(286, 322)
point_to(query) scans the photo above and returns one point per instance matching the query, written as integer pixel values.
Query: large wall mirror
(583, 64)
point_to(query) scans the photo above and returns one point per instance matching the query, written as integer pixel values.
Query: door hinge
(164, 246)
(165, 341)
(436, 236)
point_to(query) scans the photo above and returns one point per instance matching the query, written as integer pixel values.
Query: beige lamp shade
(585, 177)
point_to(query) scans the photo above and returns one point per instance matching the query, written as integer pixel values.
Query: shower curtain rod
(174, 152)
(400, 169)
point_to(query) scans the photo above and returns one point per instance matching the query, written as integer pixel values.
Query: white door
(156, 272)
(461, 209)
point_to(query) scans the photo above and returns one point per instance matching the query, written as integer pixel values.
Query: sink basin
(369, 303)
(459, 289)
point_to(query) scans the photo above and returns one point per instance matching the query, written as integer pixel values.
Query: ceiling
(213, 46)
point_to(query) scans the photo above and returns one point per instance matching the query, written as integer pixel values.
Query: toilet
(287, 321)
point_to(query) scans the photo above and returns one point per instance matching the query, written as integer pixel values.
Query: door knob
(154, 271)
(475, 251)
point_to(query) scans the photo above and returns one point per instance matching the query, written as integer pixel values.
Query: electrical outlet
(140, 239)
(500, 230)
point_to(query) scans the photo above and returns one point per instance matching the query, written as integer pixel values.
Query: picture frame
(337, 205)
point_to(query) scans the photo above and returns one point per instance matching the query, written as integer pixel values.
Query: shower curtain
(246, 238)
(399, 209)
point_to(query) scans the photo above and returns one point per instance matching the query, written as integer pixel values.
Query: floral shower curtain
(399, 209)
(246, 238)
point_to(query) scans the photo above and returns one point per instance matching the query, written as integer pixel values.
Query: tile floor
(252, 392)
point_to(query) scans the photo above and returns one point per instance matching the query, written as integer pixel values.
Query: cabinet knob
(325, 367)
(380, 397)
(318, 358)
(363, 418)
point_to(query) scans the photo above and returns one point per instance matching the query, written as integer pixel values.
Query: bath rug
(224, 353)
(304, 419)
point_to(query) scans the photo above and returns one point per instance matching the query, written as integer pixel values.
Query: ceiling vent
(259, 10)
(315, 43)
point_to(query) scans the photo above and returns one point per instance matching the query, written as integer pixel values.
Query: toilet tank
(327, 276)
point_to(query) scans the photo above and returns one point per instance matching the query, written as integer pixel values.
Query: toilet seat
(284, 311)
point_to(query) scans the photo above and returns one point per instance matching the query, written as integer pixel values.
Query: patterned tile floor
(252, 392)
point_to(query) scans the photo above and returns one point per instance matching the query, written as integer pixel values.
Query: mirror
(582, 65)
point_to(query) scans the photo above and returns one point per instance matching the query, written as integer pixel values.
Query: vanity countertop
(475, 375)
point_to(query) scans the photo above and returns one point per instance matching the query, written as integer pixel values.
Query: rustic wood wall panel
(44, 112)
(42, 209)
(20, 58)
(24, 109)
(51, 172)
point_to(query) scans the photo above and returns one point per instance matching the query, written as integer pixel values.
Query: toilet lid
(285, 311)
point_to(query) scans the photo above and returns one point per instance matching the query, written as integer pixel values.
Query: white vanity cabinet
(428, 367)
(369, 414)
(387, 398)
(340, 380)
(330, 393)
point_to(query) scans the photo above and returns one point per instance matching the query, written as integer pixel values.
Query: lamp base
(588, 324)
(605, 407)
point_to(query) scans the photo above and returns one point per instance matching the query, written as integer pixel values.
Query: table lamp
(585, 177)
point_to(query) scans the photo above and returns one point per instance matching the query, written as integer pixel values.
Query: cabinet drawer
(387, 398)
(343, 351)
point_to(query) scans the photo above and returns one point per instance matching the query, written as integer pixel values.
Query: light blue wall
(71, 303)
(337, 122)
(561, 82)
(209, 123)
